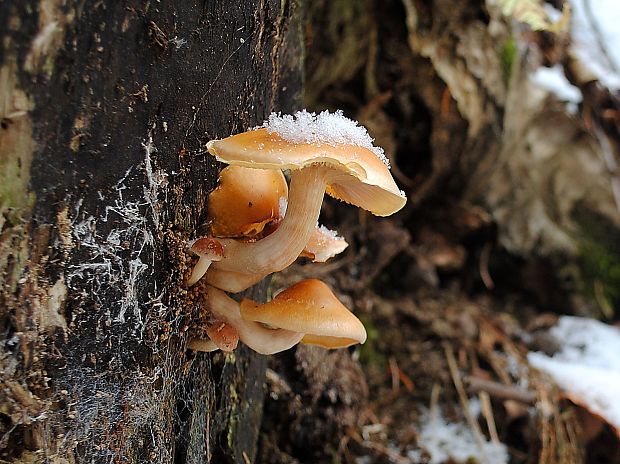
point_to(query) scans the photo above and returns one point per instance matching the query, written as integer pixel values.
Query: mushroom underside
(253, 334)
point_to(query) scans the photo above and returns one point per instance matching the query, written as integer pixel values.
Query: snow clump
(587, 366)
(323, 128)
(454, 442)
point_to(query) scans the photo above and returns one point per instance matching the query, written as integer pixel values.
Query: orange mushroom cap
(245, 201)
(208, 248)
(309, 307)
(325, 153)
(360, 176)
(224, 335)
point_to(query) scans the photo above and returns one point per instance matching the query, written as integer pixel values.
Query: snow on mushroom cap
(323, 128)
(324, 244)
(358, 176)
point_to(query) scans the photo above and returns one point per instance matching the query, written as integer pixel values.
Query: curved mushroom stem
(278, 250)
(231, 281)
(253, 334)
(199, 270)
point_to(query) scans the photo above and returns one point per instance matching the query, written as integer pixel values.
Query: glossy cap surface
(360, 177)
(309, 307)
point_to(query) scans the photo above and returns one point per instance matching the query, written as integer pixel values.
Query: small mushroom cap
(245, 201)
(208, 248)
(224, 335)
(360, 178)
(309, 307)
(323, 244)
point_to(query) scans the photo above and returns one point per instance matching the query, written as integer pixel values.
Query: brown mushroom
(249, 203)
(245, 201)
(350, 172)
(324, 244)
(311, 308)
(258, 337)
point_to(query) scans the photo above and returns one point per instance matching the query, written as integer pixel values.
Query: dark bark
(105, 110)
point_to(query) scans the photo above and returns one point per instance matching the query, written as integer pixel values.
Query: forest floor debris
(440, 361)
(442, 441)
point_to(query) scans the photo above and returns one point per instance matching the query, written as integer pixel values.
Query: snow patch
(328, 233)
(587, 365)
(595, 38)
(554, 81)
(453, 442)
(282, 205)
(323, 128)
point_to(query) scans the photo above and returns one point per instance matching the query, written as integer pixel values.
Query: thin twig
(394, 374)
(473, 424)
(499, 390)
(433, 410)
(434, 400)
(487, 412)
(546, 448)
(406, 380)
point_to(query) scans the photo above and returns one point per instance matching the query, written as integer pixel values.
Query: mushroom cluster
(259, 226)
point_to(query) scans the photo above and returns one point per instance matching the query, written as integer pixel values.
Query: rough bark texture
(105, 110)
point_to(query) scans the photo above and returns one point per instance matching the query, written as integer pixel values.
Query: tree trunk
(106, 108)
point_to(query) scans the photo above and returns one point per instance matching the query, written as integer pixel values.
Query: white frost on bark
(119, 260)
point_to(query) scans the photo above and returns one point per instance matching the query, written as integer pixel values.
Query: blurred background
(490, 299)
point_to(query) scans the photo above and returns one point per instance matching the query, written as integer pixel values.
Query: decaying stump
(512, 212)
(105, 109)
